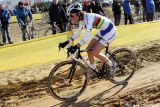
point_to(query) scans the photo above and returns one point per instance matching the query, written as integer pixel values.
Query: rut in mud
(13, 91)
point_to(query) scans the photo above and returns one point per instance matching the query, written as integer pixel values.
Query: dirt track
(27, 87)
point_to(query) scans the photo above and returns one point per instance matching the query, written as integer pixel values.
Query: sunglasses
(72, 15)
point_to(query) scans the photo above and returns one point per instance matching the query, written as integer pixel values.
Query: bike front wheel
(67, 80)
(125, 65)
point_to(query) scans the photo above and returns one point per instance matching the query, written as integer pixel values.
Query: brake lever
(59, 47)
(67, 54)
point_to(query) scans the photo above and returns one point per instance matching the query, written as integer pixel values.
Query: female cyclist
(106, 34)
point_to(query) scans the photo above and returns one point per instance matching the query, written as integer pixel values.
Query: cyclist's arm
(78, 33)
(85, 38)
(89, 24)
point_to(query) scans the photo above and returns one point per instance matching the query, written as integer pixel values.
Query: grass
(44, 50)
(35, 17)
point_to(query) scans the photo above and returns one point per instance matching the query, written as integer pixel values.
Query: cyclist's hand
(63, 44)
(72, 49)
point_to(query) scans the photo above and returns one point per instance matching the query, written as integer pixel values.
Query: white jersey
(91, 20)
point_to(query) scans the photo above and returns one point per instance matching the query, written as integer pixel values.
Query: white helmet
(74, 8)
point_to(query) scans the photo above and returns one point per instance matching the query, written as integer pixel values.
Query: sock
(93, 66)
(110, 63)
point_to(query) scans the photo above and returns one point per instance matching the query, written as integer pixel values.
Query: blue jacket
(6, 14)
(22, 15)
(150, 6)
(127, 7)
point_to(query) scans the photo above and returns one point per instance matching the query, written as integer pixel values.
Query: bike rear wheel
(67, 80)
(126, 63)
(34, 32)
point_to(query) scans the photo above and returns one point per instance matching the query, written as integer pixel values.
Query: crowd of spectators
(58, 14)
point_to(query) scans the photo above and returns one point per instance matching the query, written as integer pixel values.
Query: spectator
(157, 8)
(32, 10)
(150, 10)
(22, 14)
(15, 8)
(57, 14)
(96, 7)
(65, 4)
(116, 8)
(127, 12)
(86, 6)
(4, 24)
(137, 7)
(143, 2)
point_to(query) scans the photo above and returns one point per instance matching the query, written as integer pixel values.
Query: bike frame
(101, 73)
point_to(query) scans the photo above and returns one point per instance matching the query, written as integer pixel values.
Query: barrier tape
(69, 33)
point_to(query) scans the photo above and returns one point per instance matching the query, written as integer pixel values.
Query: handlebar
(77, 54)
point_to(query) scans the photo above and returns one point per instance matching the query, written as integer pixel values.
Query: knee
(93, 53)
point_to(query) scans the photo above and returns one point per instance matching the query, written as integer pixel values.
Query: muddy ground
(27, 87)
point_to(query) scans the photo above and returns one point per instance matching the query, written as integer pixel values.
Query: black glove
(62, 45)
(72, 49)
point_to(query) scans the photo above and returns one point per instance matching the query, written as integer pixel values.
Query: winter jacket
(116, 7)
(97, 8)
(57, 13)
(127, 7)
(4, 18)
(143, 2)
(150, 6)
(22, 15)
(136, 4)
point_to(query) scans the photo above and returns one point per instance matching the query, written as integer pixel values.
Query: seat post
(107, 47)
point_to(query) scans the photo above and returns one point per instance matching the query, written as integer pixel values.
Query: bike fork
(72, 71)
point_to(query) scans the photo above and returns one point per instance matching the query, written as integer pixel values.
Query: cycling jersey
(107, 28)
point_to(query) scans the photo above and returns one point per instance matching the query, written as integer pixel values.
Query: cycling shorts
(106, 38)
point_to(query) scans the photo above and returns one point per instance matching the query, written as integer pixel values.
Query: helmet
(74, 8)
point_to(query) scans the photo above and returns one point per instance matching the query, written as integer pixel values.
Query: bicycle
(49, 30)
(31, 31)
(69, 79)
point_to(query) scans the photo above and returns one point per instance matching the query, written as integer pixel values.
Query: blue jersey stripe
(107, 30)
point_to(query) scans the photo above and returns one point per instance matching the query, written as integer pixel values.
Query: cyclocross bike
(31, 31)
(68, 79)
(49, 30)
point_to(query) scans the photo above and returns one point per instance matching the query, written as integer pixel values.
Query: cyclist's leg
(92, 44)
(96, 52)
(102, 43)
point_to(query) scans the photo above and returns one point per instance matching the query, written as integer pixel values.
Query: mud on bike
(69, 79)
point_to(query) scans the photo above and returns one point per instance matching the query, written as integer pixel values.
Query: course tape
(57, 35)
